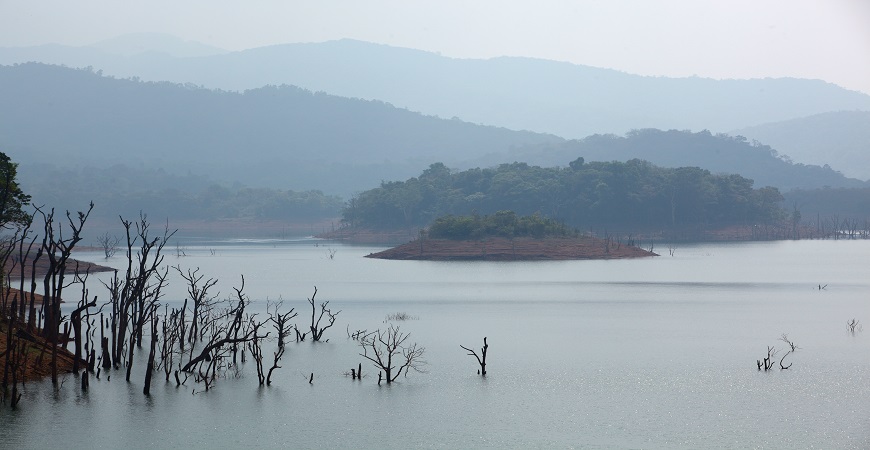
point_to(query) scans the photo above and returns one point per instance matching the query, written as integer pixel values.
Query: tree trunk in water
(150, 369)
(107, 357)
(130, 355)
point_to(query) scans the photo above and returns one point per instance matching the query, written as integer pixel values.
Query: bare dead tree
(7, 264)
(181, 326)
(130, 295)
(767, 363)
(198, 292)
(9, 354)
(34, 260)
(316, 329)
(226, 333)
(355, 374)
(853, 325)
(358, 335)
(15, 360)
(388, 351)
(19, 362)
(76, 319)
(25, 254)
(148, 301)
(171, 332)
(300, 337)
(277, 357)
(792, 347)
(109, 244)
(149, 368)
(58, 250)
(280, 320)
(9, 308)
(481, 359)
(256, 348)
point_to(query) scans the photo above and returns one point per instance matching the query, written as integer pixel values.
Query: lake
(648, 353)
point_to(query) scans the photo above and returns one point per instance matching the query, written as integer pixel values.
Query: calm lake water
(651, 353)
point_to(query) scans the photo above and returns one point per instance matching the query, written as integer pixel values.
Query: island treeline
(502, 224)
(632, 195)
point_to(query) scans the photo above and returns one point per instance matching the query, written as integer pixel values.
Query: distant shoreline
(732, 233)
(518, 249)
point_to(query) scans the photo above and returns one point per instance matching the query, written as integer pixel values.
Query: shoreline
(517, 249)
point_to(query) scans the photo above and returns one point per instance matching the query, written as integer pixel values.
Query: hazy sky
(824, 39)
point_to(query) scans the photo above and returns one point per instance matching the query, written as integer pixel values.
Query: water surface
(648, 353)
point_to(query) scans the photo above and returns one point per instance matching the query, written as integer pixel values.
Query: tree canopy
(12, 198)
(629, 195)
(502, 224)
(125, 190)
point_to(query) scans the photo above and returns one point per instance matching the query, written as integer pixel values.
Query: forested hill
(275, 136)
(840, 139)
(719, 153)
(633, 195)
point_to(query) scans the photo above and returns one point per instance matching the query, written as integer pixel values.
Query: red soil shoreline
(518, 249)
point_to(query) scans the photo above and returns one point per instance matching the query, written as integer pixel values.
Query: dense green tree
(124, 190)
(820, 204)
(12, 198)
(628, 195)
(502, 223)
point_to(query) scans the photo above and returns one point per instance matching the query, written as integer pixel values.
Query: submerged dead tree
(149, 367)
(109, 244)
(316, 329)
(172, 330)
(25, 253)
(481, 359)
(14, 359)
(132, 295)
(58, 250)
(768, 362)
(256, 348)
(228, 330)
(151, 316)
(75, 319)
(198, 292)
(389, 352)
(280, 320)
(792, 347)
(277, 358)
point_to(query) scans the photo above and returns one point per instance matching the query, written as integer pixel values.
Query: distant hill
(565, 99)
(719, 153)
(142, 43)
(275, 136)
(840, 139)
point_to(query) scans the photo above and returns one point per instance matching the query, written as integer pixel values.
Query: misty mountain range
(272, 125)
(568, 100)
(283, 136)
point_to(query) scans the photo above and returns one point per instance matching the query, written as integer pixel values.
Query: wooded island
(504, 236)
